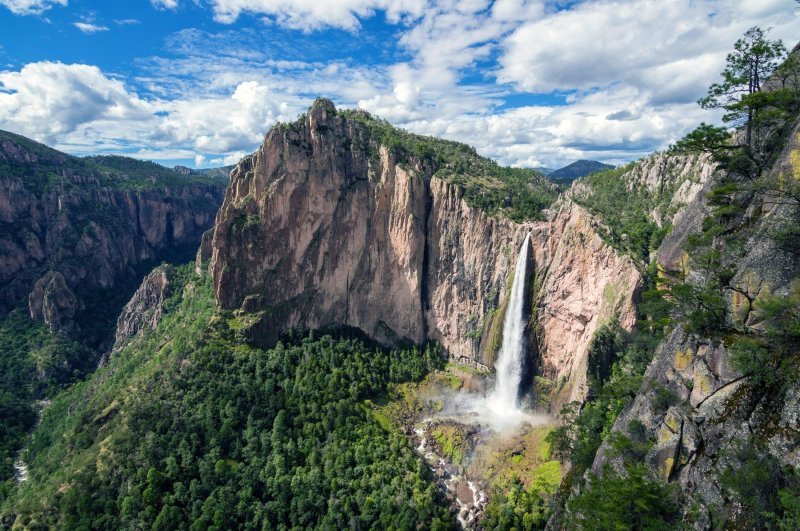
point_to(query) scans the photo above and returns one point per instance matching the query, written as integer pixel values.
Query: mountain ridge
(578, 169)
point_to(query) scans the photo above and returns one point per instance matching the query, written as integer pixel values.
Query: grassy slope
(516, 193)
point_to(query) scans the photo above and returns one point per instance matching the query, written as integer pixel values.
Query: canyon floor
(476, 461)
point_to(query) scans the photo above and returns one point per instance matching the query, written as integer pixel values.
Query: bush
(633, 501)
(771, 356)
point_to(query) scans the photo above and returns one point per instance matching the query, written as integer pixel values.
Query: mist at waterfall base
(500, 409)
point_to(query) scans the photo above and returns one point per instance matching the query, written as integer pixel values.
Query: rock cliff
(700, 414)
(146, 307)
(328, 226)
(74, 232)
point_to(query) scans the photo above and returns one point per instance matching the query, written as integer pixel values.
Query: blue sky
(529, 83)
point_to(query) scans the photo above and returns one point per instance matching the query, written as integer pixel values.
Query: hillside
(146, 445)
(577, 169)
(77, 235)
(697, 408)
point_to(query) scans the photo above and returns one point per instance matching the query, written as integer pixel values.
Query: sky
(528, 83)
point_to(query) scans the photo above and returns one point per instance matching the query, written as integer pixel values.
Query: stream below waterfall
(465, 496)
(20, 467)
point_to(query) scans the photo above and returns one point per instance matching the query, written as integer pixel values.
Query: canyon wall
(699, 411)
(77, 236)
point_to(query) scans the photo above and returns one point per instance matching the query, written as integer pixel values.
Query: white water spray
(504, 400)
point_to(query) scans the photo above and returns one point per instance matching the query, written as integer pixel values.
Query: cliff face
(67, 230)
(324, 226)
(586, 283)
(697, 409)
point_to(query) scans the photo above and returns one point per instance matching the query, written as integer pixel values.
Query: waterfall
(503, 400)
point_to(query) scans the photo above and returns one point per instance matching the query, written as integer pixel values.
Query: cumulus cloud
(312, 14)
(31, 7)
(668, 48)
(81, 109)
(540, 135)
(223, 125)
(89, 27)
(624, 76)
(227, 160)
(48, 99)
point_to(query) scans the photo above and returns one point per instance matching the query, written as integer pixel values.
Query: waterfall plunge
(504, 400)
(500, 410)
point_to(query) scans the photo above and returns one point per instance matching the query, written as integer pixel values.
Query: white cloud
(227, 160)
(669, 48)
(165, 4)
(88, 27)
(223, 125)
(314, 14)
(31, 7)
(127, 21)
(632, 69)
(46, 100)
(83, 110)
(557, 135)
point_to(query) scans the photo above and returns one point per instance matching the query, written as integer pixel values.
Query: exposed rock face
(52, 302)
(586, 284)
(325, 227)
(146, 307)
(315, 232)
(91, 234)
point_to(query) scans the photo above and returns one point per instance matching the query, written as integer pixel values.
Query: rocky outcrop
(324, 226)
(146, 307)
(52, 302)
(59, 214)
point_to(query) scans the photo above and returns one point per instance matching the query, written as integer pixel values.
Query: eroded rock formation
(146, 307)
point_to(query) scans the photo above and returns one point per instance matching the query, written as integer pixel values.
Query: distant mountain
(545, 171)
(578, 169)
(222, 172)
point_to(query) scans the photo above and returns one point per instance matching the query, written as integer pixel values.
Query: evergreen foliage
(627, 212)
(187, 428)
(632, 501)
(33, 365)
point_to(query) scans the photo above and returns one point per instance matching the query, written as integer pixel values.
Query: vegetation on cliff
(519, 194)
(744, 249)
(626, 209)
